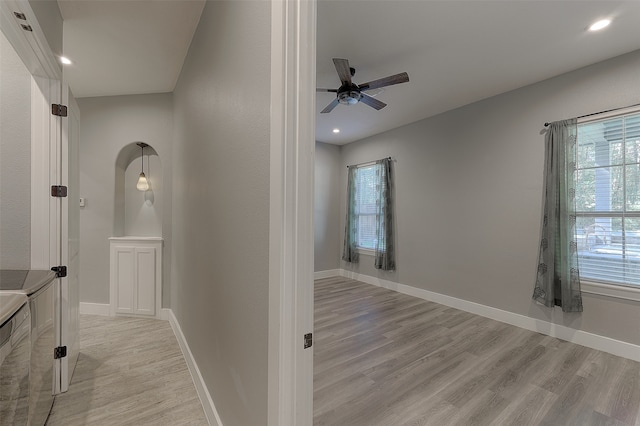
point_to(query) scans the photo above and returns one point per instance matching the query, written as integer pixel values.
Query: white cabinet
(136, 276)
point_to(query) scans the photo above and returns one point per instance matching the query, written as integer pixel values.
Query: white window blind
(608, 200)
(367, 205)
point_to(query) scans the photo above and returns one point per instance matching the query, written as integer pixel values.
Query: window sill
(368, 252)
(610, 290)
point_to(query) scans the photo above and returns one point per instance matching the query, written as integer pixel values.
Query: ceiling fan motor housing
(349, 94)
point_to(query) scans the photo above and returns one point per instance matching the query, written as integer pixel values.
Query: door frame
(293, 75)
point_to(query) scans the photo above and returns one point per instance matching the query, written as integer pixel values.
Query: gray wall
(143, 210)
(327, 207)
(109, 126)
(220, 266)
(15, 160)
(469, 193)
(50, 19)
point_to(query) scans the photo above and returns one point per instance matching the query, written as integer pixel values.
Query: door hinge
(58, 191)
(60, 352)
(61, 271)
(308, 340)
(59, 110)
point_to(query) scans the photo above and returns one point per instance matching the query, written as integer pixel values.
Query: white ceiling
(121, 47)
(455, 52)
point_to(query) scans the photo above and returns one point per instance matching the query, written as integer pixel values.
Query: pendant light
(143, 183)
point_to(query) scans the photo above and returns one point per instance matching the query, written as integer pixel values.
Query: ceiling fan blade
(327, 90)
(372, 102)
(344, 72)
(403, 77)
(331, 106)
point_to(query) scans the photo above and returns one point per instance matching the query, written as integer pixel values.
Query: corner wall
(220, 266)
(327, 207)
(469, 195)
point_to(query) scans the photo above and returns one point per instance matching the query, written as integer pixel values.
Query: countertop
(10, 303)
(24, 281)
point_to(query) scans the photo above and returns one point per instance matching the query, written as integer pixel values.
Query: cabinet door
(145, 290)
(125, 283)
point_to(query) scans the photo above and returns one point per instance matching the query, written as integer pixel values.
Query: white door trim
(293, 57)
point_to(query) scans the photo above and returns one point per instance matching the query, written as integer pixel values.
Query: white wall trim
(104, 309)
(327, 274)
(210, 411)
(594, 341)
(164, 314)
(95, 309)
(291, 197)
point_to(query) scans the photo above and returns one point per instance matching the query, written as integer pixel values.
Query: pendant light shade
(143, 183)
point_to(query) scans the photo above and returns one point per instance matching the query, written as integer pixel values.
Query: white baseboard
(164, 314)
(95, 308)
(327, 274)
(104, 309)
(594, 341)
(203, 393)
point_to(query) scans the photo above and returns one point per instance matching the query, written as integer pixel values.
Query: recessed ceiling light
(336, 130)
(600, 25)
(65, 60)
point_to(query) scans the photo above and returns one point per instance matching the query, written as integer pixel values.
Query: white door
(123, 276)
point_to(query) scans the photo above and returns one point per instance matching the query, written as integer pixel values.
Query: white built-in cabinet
(136, 276)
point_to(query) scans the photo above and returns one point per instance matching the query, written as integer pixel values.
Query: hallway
(130, 372)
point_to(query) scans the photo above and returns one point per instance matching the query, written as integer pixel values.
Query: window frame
(590, 285)
(363, 249)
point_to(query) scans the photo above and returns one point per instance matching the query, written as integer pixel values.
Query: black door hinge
(60, 352)
(61, 271)
(58, 191)
(308, 340)
(59, 110)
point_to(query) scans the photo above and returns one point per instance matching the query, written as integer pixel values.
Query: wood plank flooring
(382, 358)
(130, 372)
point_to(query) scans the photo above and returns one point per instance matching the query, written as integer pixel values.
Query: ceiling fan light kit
(350, 93)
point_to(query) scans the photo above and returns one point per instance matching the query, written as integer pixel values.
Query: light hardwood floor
(384, 358)
(381, 359)
(130, 372)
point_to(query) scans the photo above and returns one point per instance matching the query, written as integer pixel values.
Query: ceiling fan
(350, 93)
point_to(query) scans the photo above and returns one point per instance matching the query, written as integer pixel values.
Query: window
(369, 219)
(608, 200)
(367, 209)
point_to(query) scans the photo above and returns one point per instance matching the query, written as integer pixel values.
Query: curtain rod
(368, 163)
(601, 112)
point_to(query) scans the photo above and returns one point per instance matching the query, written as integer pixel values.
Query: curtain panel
(385, 258)
(350, 249)
(558, 276)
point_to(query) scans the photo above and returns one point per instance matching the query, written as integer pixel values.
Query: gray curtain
(350, 250)
(385, 258)
(558, 277)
